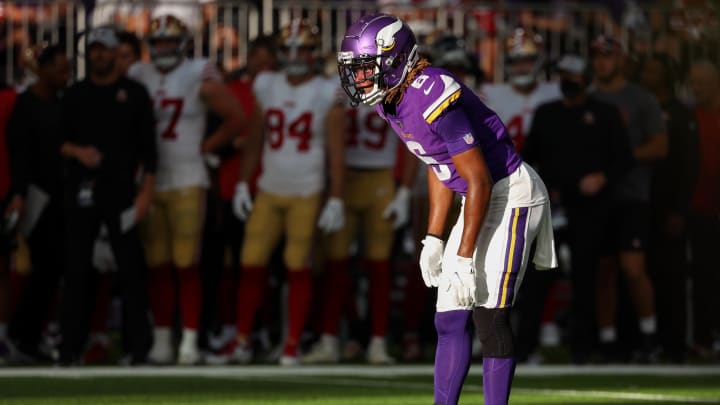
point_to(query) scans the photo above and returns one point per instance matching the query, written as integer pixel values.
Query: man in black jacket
(34, 139)
(581, 149)
(109, 137)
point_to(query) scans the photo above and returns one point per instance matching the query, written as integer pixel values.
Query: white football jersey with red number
(293, 158)
(180, 113)
(516, 110)
(369, 141)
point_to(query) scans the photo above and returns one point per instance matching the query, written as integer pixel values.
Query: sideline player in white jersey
(183, 91)
(515, 102)
(373, 205)
(304, 123)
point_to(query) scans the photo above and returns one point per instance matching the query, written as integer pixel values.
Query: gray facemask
(523, 80)
(296, 69)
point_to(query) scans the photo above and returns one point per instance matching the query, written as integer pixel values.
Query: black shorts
(628, 228)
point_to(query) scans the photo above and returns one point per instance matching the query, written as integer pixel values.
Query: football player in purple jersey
(479, 269)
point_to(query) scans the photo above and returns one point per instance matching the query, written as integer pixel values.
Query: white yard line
(351, 370)
(636, 396)
(308, 374)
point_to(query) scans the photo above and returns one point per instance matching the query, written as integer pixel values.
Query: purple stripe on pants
(515, 249)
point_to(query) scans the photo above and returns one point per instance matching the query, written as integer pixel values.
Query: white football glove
(332, 217)
(103, 257)
(242, 202)
(462, 280)
(431, 260)
(399, 207)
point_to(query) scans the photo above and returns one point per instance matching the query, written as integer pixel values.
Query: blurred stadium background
(688, 30)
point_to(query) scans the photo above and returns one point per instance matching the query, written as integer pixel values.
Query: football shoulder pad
(432, 92)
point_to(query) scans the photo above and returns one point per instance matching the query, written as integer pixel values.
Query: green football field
(350, 385)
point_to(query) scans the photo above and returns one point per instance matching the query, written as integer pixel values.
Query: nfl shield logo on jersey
(469, 138)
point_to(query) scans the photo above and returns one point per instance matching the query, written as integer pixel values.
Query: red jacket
(7, 101)
(706, 199)
(229, 168)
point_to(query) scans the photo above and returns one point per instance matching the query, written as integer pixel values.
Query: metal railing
(222, 29)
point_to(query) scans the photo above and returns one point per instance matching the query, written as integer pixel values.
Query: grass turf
(345, 389)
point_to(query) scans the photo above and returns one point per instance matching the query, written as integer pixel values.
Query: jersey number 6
(441, 171)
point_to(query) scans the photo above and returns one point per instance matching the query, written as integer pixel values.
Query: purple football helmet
(383, 49)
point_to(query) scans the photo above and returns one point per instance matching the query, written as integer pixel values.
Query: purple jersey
(439, 117)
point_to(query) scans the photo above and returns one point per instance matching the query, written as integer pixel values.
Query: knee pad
(493, 326)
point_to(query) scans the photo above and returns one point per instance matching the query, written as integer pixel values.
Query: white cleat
(217, 342)
(377, 352)
(289, 361)
(549, 335)
(7, 352)
(325, 351)
(232, 353)
(242, 354)
(188, 354)
(161, 352)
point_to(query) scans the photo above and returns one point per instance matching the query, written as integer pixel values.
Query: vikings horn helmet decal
(381, 48)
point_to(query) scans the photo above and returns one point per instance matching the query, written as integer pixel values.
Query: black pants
(223, 233)
(530, 306)
(79, 298)
(587, 227)
(668, 267)
(704, 242)
(46, 256)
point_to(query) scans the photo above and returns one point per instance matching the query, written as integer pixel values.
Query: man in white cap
(108, 134)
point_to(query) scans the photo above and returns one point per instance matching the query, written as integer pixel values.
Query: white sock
(648, 326)
(3, 331)
(608, 334)
(189, 338)
(377, 340)
(329, 338)
(162, 336)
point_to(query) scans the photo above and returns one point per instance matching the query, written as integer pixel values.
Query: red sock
(379, 295)
(299, 296)
(333, 295)
(250, 292)
(102, 303)
(226, 296)
(415, 295)
(162, 294)
(190, 299)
